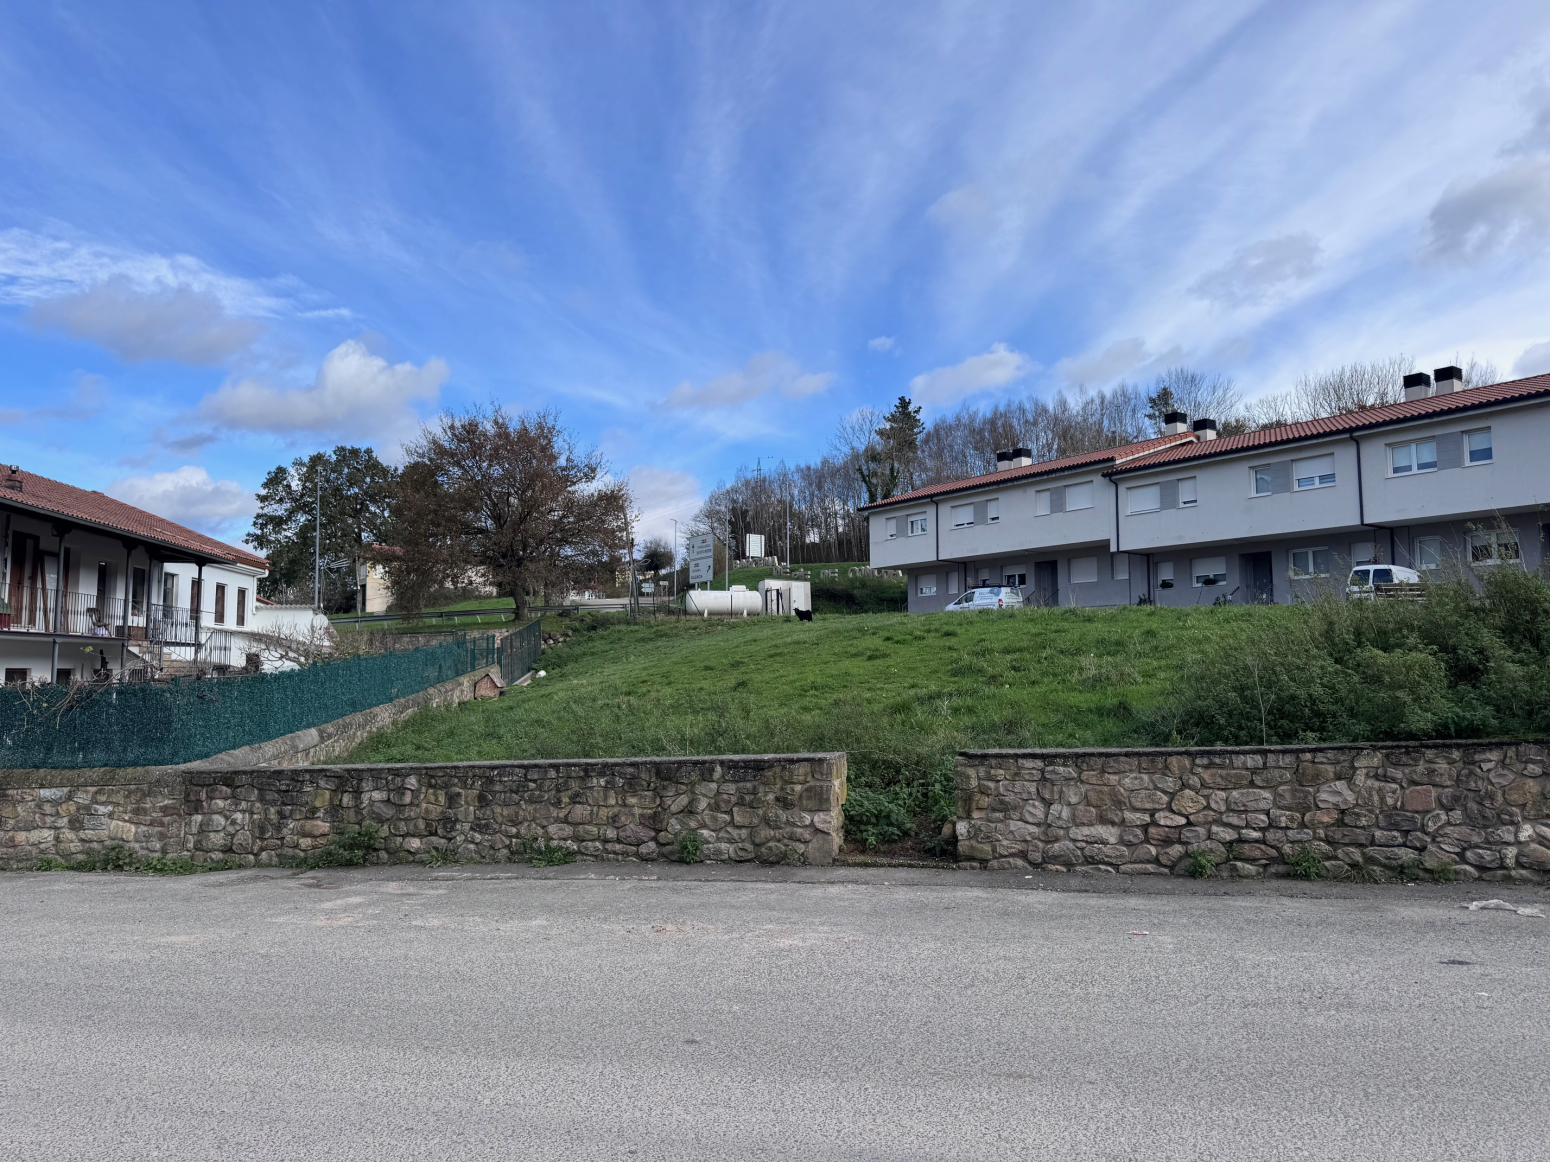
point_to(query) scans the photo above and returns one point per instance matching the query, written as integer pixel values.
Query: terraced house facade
(1449, 479)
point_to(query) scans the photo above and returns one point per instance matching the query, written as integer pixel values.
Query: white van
(1364, 577)
(989, 597)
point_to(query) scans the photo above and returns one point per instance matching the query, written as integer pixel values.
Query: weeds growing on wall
(118, 858)
(352, 847)
(1458, 664)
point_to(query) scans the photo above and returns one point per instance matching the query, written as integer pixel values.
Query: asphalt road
(708, 1014)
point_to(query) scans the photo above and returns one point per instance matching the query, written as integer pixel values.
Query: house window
(1364, 552)
(193, 597)
(137, 591)
(1209, 570)
(1314, 472)
(1014, 580)
(1479, 445)
(220, 604)
(925, 585)
(1310, 562)
(1119, 563)
(963, 515)
(952, 582)
(1428, 553)
(1263, 485)
(1079, 495)
(16, 677)
(1165, 574)
(918, 524)
(1187, 494)
(1145, 497)
(242, 607)
(1041, 502)
(1083, 569)
(1494, 548)
(992, 511)
(1416, 456)
(892, 527)
(102, 580)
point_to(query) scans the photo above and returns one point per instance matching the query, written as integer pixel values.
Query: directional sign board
(703, 545)
(701, 569)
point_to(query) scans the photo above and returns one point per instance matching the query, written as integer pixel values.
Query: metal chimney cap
(1176, 418)
(1449, 372)
(1418, 379)
(1022, 453)
(1202, 425)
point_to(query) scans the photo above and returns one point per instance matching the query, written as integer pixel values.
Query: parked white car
(1364, 577)
(990, 597)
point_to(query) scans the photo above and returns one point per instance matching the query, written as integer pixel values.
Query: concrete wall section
(780, 809)
(1480, 807)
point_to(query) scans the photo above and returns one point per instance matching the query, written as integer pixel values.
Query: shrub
(1201, 864)
(351, 847)
(879, 816)
(545, 854)
(1458, 664)
(689, 847)
(1305, 863)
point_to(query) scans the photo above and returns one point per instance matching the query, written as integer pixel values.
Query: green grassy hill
(897, 692)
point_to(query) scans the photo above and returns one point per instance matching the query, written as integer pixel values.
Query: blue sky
(232, 234)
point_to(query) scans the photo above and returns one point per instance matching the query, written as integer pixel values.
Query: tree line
(483, 500)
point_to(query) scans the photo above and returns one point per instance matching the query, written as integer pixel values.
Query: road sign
(702, 546)
(701, 569)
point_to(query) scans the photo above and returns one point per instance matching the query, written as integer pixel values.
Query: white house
(1449, 476)
(91, 585)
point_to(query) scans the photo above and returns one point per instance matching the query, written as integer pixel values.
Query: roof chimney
(1449, 379)
(1418, 385)
(1022, 457)
(1205, 429)
(1175, 424)
(13, 478)
(1003, 460)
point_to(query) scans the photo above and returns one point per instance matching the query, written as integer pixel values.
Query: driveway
(588, 1012)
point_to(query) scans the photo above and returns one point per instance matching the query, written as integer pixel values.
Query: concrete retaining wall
(765, 808)
(1143, 812)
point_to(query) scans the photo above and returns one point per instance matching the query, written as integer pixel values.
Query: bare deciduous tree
(513, 498)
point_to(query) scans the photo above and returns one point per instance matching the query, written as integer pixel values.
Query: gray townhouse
(1449, 478)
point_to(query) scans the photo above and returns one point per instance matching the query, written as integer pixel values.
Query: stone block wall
(778, 809)
(1483, 808)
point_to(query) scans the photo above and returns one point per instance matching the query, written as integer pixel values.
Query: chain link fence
(117, 724)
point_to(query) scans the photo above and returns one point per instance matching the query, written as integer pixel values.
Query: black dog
(804, 615)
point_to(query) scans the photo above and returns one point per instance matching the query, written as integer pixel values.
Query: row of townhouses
(1449, 478)
(91, 587)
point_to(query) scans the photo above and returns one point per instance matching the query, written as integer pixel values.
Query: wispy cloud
(947, 385)
(1259, 270)
(176, 323)
(769, 372)
(883, 343)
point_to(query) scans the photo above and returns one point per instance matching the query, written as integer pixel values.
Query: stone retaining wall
(1482, 808)
(781, 809)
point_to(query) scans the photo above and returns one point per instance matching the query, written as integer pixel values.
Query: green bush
(1458, 664)
(878, 817)
(689, 847)
(352, 847)
(1306, 864)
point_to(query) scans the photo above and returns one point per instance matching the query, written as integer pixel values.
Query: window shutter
(1057, 500)
(1450, 450)
(1170, 494)
(979, 512)
(1280, 476)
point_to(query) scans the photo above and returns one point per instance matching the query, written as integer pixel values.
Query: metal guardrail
(433, 615)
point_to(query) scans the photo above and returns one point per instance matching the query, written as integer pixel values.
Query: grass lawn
(899, 693)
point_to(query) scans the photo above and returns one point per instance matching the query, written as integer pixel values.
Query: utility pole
(675, 562)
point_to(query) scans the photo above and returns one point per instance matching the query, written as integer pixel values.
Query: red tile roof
(1042, 468)
(54, 498)
(1474, 397)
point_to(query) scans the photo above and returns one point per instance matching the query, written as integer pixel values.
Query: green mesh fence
(154, 724)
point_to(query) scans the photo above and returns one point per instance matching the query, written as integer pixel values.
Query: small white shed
(782, 598)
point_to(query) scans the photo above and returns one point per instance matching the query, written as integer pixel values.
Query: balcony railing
(39, 609)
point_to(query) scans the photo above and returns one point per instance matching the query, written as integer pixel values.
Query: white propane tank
(738, 602)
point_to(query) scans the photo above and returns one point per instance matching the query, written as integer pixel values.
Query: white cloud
(661, 496)
(189, 496)
(997, 367)
(1509, 209)
(882, 343)
(180, 323)
(356, 393)
(1121, 357)
(1534, 361)
(1260, 269)
(767, 372)
(35, 267)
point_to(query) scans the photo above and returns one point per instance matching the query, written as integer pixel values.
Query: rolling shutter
(1450, 450)
(1057, 500)
(979, 512)
(1170, 494)
(1280, 476)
